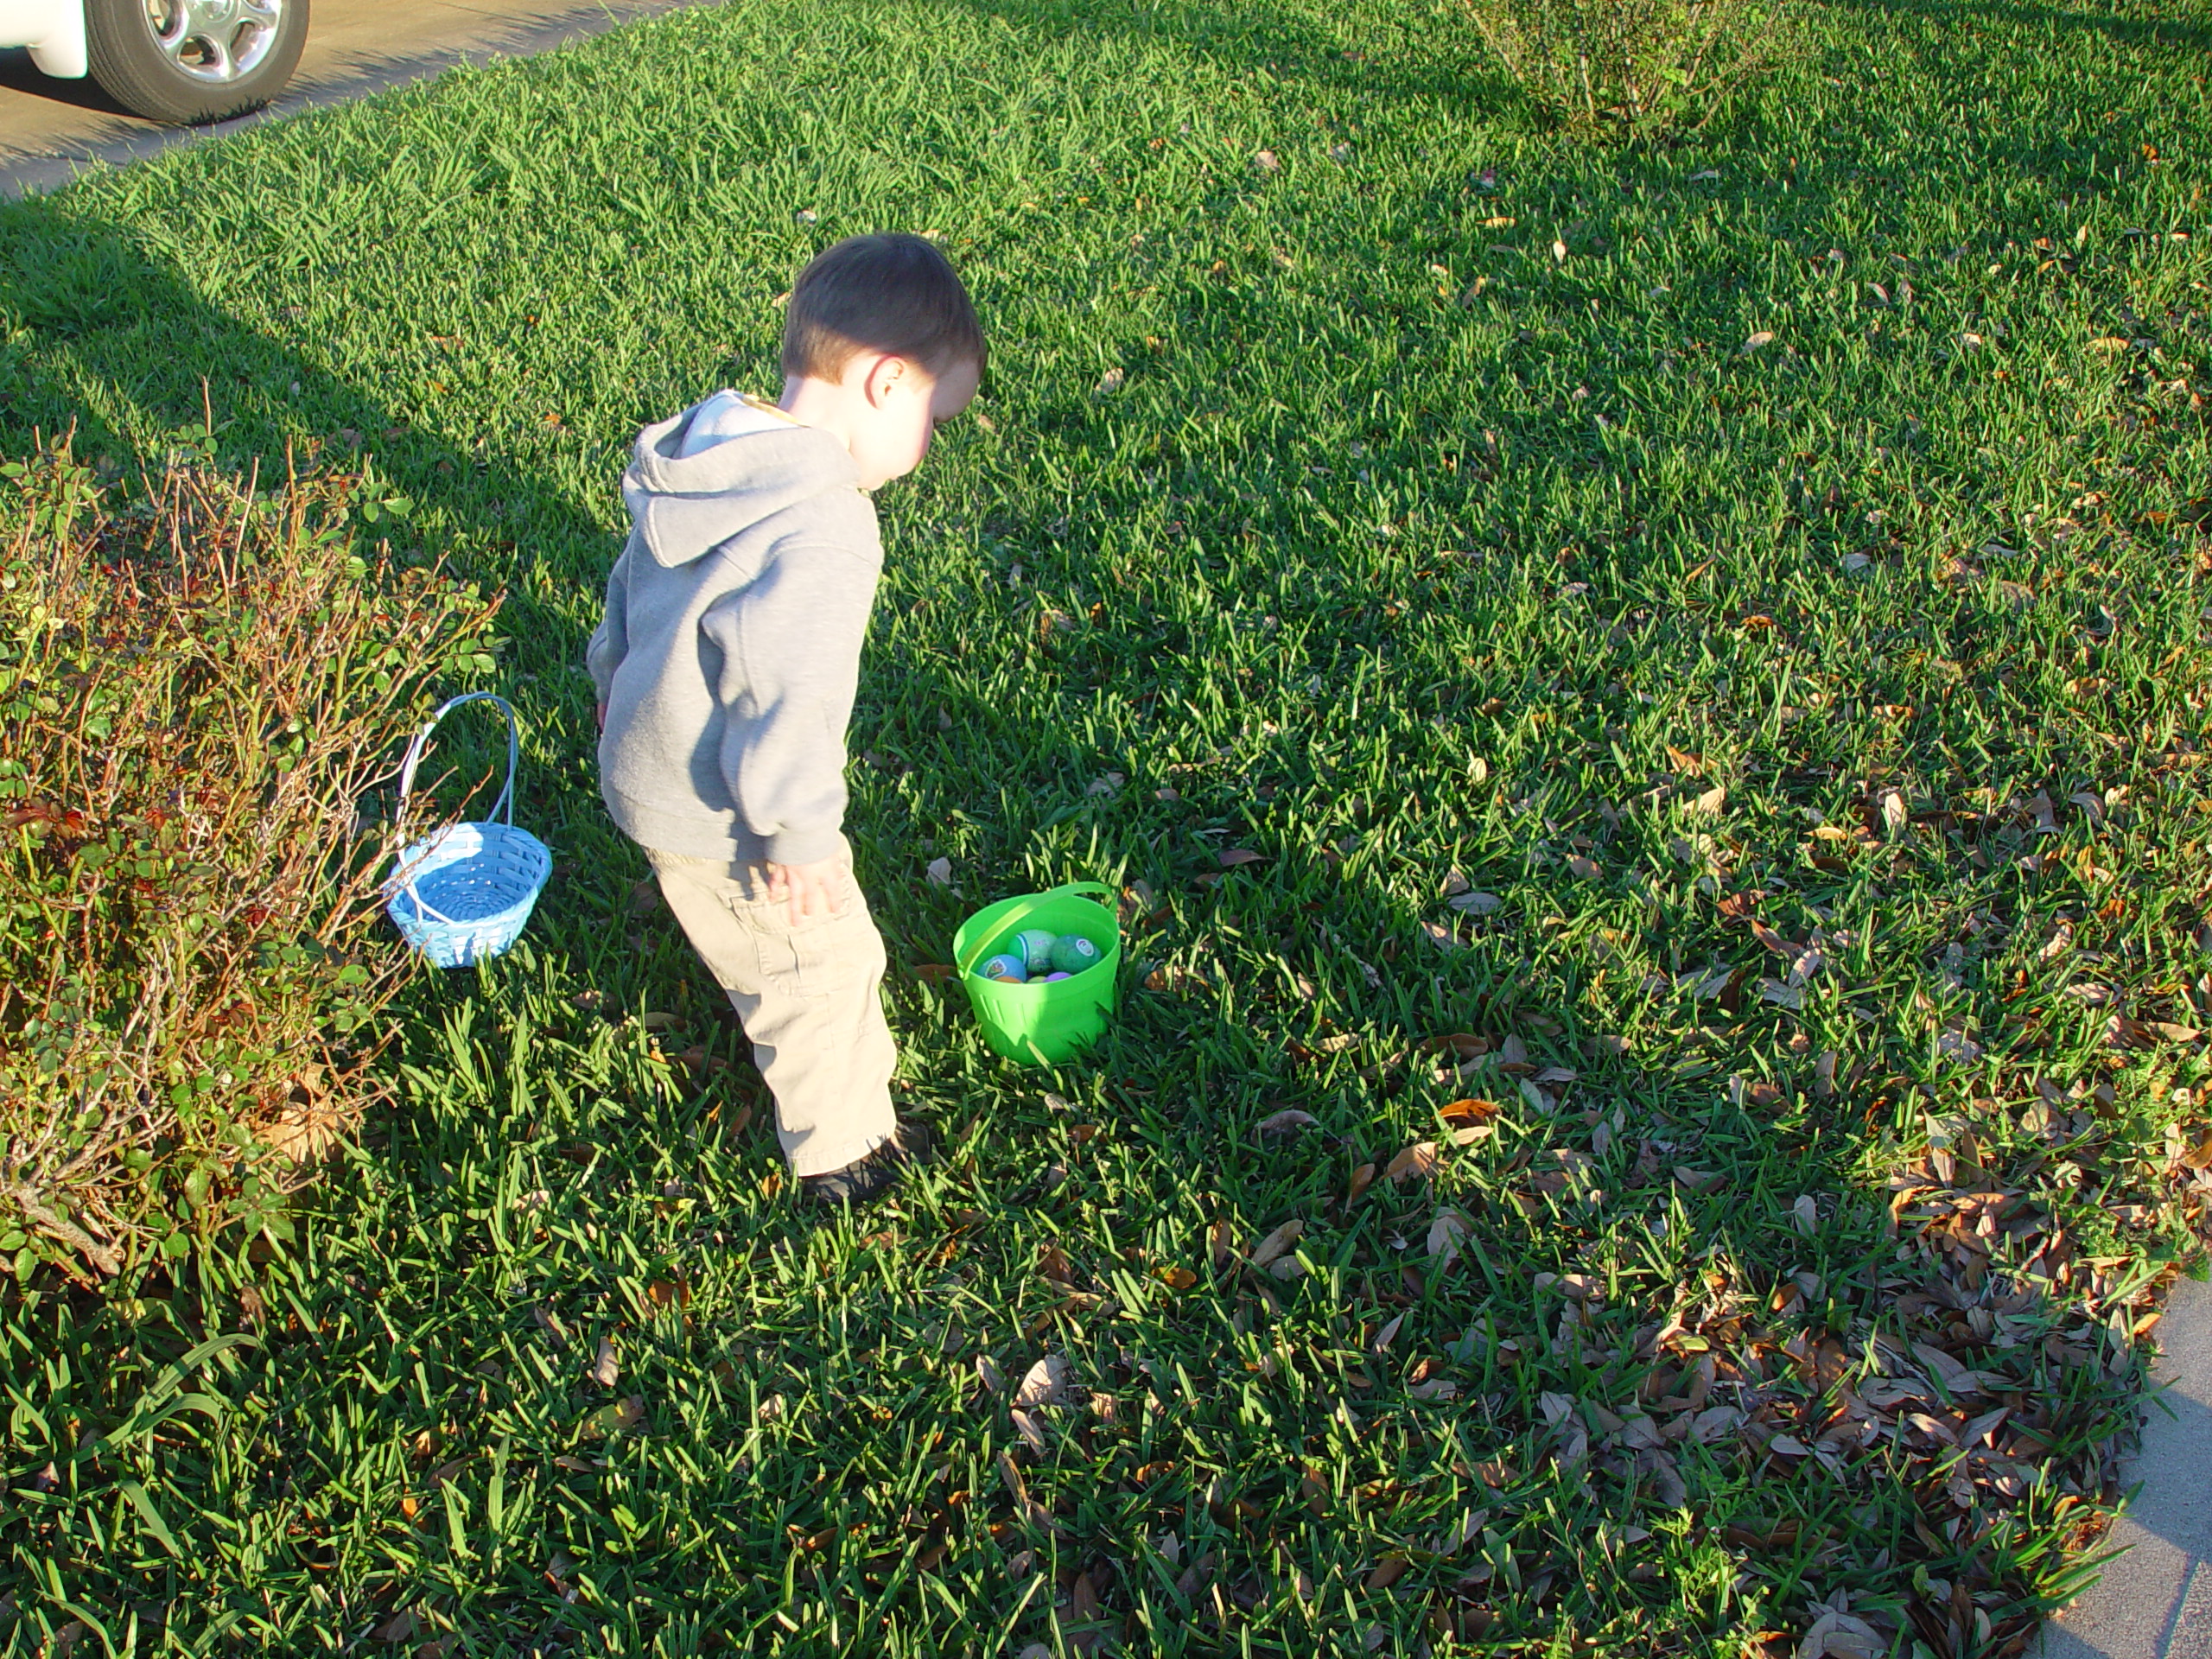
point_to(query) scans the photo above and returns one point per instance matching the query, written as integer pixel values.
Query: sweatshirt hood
(683, 505)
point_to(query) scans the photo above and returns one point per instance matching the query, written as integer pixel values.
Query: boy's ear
(885, 375)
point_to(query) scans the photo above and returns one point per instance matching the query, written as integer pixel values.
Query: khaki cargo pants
(810, 995)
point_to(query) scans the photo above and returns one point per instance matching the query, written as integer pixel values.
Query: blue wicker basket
(463, 893)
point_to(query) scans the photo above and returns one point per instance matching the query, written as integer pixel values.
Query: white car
(188, 60)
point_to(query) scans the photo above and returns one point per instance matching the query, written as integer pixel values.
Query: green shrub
(1633, 69)
(198, 688)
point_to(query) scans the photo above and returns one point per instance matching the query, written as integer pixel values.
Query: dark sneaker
(870, 1177)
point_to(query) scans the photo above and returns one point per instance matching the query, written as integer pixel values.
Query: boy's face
(898, 406)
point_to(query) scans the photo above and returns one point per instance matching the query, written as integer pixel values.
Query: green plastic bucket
(1034, 1022)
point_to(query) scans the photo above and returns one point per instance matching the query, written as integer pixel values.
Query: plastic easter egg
(1072, 953)
(1034, 945)
(1010, 970)
(1050, 978)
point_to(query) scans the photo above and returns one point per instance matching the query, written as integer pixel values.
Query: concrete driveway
(52, 130)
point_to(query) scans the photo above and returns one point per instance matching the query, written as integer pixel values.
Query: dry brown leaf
(1030, 1428)
(1712, 801)
(1419, 1158)
(1175, 1277)
(1289, 1118)
(1444, 1235)
(1957, 1377)
(1361, 1178)
(986, 1369)
(1271, 1249)
(607, 1368)
(1388, 1572)
(1236, 855)
(400, 1627)
(1220, 1248)
(1387, 1334)
(1049, 1383)
(1585, 867)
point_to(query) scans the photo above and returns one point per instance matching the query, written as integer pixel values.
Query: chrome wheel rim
(218, 42)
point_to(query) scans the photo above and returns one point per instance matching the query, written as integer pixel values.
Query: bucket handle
(1022, 913)
(507, 802)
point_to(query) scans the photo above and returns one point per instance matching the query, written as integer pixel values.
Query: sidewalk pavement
(52, 130)
(2155, 1602)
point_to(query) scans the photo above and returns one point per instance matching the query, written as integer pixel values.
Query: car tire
(193, 60)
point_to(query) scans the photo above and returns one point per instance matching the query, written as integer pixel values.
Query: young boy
(726, 667)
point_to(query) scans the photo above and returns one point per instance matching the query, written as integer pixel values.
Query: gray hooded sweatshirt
(731, 647)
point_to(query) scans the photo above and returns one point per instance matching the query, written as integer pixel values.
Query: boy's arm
(791, 643)
(610, 641)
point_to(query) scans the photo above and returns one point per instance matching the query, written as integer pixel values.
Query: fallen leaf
(606, 1369)
(618, 1418)
(1236, 855)
(1955, 1377)
(1289, 1118)
(940, 872)
(1896, 816)
(1387, 1334)
(1363, 1177)
(987, 1369)
(1221, 1248)
(1176, 1277)
(1559, 249)
(1763, 337)
(1030, 1428)
(1476, 904)
(1271, 1247)
(1416, 1160)
(1048, 1383)
(1111, 380)
(1585, 867)
(400, 1627)
(1712, 801)
(1388, 1572)
(1444, 1235)
(1266, 161)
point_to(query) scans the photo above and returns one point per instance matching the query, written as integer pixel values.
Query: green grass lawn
(1761, 580)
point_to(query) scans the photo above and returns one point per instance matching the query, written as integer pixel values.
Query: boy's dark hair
(890, 293)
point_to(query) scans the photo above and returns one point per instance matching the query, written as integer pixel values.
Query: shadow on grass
(2136, 31)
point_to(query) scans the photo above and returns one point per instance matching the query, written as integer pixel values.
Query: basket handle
(507, 802)
(1015, 918)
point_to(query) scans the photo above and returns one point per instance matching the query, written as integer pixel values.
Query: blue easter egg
(1008, 970)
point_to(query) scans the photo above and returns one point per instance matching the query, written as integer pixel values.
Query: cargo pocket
(823, 955)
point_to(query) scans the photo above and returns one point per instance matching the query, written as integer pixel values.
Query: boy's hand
(602, 717)
(811, 888)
